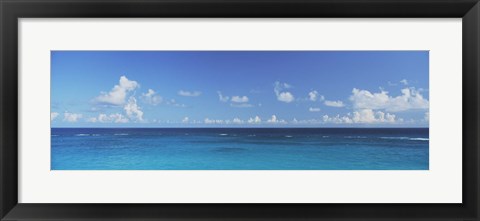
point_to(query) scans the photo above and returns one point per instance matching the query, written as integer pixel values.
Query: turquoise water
(239, 149)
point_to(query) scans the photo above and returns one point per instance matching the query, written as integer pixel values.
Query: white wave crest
(406, 138)
(395, 138)
(420, 138)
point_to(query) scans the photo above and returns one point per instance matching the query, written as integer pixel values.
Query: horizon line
(240, 127)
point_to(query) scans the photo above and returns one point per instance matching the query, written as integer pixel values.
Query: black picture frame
(12, 10)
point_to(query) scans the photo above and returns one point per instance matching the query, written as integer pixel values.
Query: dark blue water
(239, 149)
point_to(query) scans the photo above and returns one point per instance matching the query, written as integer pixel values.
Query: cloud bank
(410, 99)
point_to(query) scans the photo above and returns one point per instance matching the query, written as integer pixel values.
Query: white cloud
(366, 99)
(337, 119)
(275, 120)
(241, 105)
(118, 93)
(255, 120)
(103, 118)
(286, 97)
(53, 115)
(364, 116)
(334, 103)
(427, 116)
(314, 109)
(237, 121)
(369, 116)
(212, 121)
(283, 96)
(151, 97)
(313, 95)
(237, 101)
(149, 93)
(185, 120)
(240, 99)
(71, 117)
(221, 97)
(189, 93)
(410, 99)
(116, 118)
(404, 82)
(92, 119)
(132, 110)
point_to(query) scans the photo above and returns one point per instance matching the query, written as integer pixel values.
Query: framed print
(159, 110)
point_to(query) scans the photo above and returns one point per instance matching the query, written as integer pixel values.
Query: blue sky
(239, 88)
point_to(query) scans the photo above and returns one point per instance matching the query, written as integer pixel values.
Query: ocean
(239, 149)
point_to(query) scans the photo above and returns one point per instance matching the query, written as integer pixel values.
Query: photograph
(239, 110)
